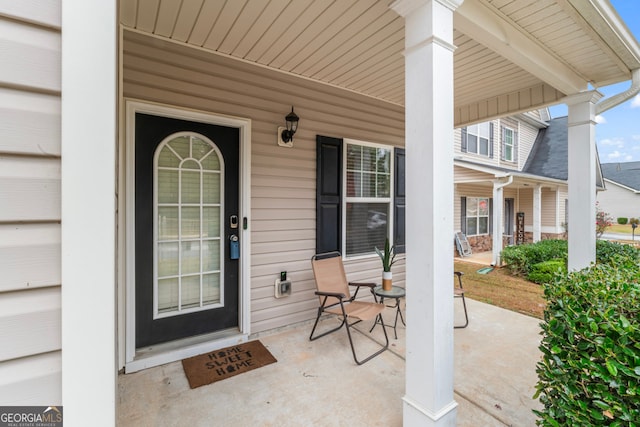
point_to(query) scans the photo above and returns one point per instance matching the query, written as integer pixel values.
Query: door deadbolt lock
(234, 247)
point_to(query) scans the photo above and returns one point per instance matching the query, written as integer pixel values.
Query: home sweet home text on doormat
(226, 362)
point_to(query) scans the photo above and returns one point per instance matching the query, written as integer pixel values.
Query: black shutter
(398, 202)
(328, 194)
(491, 140)
(515, 146)
(463, 140)
(463, 214)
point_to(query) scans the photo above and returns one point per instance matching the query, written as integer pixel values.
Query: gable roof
(549, 156)
(627, 174)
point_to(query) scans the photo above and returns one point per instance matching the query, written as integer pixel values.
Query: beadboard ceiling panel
(358, 44)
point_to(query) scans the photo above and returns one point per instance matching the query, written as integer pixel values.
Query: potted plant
(388, 258)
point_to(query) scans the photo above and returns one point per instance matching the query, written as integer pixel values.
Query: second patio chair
(335, 298)
(459, 293)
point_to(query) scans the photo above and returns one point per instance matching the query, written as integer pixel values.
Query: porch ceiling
(513, 55)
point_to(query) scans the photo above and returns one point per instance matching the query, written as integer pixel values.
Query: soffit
(358, 45)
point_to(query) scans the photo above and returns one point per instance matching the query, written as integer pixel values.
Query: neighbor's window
(508, 141)
(367, 197)
(477, 139)
(477, 215)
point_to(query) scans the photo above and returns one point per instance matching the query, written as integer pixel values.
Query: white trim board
(175, 351)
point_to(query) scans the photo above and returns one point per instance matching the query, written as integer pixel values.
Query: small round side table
(396, 293)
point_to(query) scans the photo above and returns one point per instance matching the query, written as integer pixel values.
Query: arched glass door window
(188, 208)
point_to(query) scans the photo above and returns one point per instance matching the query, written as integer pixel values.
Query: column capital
(406, 7)
(592, 96)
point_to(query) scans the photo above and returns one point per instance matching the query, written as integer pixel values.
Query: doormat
(485, 270)
(225, 363)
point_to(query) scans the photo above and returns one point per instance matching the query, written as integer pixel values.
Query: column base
(413, 414)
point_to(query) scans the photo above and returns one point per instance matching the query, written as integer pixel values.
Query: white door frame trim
(189, 347)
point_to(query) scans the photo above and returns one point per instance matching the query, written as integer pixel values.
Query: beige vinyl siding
(563, 197)
(510, 193)
(619, 201)
(462, 174)
(549, 210)
(526, 137)
(525, 204)
(282, 221)
(30, 363)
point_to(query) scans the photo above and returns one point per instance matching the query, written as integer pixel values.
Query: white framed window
(477, 139)
(188, 209)
(368, 197)
(508, 144)
(477, 216)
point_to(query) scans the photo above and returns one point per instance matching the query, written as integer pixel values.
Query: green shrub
(589, 374)
(521, 258)
(543, 272)
(606, 252)
(622, 220)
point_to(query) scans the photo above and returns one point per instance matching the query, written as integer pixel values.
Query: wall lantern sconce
(285, 135)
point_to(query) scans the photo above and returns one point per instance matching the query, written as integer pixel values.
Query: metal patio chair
(335, 298)
(459, 293)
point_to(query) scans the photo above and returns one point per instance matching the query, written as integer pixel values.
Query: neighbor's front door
(186, 213)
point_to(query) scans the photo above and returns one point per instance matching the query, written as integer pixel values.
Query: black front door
(186, 210)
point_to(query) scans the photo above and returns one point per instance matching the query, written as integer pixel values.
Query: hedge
(543, 272)
(521, 259)
(589, 374)
(622, 220)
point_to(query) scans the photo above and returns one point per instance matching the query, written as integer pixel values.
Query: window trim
(477, 216)
(344, 199)
(464, 140)
(156, 168)
(504, 144)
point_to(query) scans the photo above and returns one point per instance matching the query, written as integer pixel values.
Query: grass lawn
(620, 228)
(500, 288)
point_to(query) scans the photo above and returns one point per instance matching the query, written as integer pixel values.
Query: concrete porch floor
(318, 383)
(484, 258)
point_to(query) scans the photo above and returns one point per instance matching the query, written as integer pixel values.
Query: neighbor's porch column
(537, 212)
(498, 215)
(582, 179)
(428, 399)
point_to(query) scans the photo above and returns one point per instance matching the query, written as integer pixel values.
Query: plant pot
(386, 280)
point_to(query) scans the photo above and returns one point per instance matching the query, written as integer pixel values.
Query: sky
(618, 130)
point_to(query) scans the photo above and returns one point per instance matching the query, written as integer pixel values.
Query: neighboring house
(526, 158)
(138, 138)
(622, 195)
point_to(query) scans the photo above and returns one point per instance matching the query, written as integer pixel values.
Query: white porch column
(429, 184)
(537, 212)
(89, 129)
(498, 217)
(582, 179)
